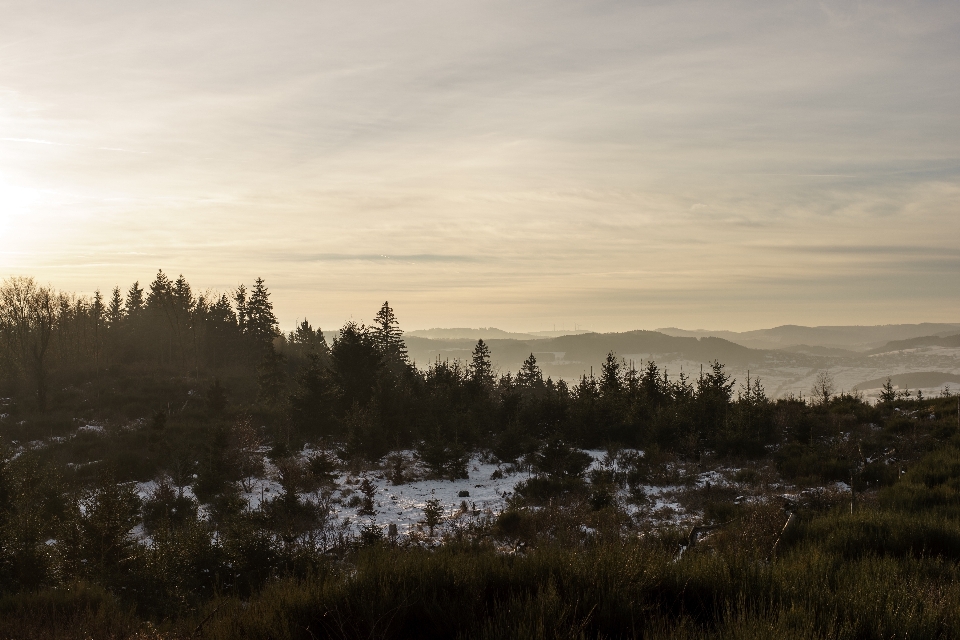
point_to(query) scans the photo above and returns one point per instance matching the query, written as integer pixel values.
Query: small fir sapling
(432, 513)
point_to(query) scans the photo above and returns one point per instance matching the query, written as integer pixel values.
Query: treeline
(165, 326)
(361, 391)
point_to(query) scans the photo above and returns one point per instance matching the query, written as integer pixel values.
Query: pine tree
(240, 298)
(481, 368)
(159, 291)
(261, 323)
(611, 376)
(718, 383)
(889, 394)
(159, 315)
(388, 336)
(134, 303)
(98, 317)
(180, 305)
(271, 379)
(651, 381)
(310, 341)
(530, 374)
(115, 311)
(181, 296)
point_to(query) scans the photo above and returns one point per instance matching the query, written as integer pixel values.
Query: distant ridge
(855, 337)
(916, 380)
(487, 333)
(572, 355)
(916, 343)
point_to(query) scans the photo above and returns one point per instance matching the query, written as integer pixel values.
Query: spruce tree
(240, 298)
(98, 315)
(481, 368)
(611, 382)
(159, 291)
(115, 310)
(530, 374)
(889, 394)
(134, 303)
(261, 322)
(308, 340)
(271, 379)
(388, 336)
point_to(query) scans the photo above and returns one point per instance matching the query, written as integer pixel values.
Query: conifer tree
(889, 394)
(388, 336)
(181, 296)
(717, 383)
(481, 368)
(240, 299)
(134, 302)
(611, 382)
(308, 340)
(652, 384)
(159, 291)
(271, 379)
(98, 315)
(530, 374)
(261, 322)
(115, 310)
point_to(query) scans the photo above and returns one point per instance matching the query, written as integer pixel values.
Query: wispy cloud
(542, 160)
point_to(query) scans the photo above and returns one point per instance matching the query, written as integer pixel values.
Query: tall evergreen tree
(223, 332)
(357, 364)
(308, 341)
(180, 303)
(115, 311)
(388, 336)
(158, 316)
(98, 316)
(261, 322)
(888, 395)
(481, 367)
(240, 299)
(134, 302)
(530, 374)
(159, 291)
(611, 376)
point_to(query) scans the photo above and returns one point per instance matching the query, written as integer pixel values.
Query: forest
(136, 427)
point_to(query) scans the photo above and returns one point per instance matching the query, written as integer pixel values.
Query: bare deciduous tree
(823, 387)
(28, 315)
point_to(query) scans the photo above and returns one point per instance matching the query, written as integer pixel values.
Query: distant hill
(917, 380)
(834, 352)
(570, 356)
(463, 333)
(916, 343)
(488, 333)
(856, 338)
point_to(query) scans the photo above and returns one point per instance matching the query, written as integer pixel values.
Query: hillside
(915, 380)
(857, 338)
(950, 342)
(571, 356)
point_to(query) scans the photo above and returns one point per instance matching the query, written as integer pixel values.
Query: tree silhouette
(481, 368)
(261, 322)
(388, 336)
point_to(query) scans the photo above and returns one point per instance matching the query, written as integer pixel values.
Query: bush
(540, 489)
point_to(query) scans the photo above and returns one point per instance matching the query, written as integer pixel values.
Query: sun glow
(16, 205)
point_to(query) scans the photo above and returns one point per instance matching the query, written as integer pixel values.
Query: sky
(525, 165)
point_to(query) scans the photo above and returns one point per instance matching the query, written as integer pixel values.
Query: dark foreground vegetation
(200, 393)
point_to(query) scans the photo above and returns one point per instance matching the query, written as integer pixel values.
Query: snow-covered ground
(484, 494)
